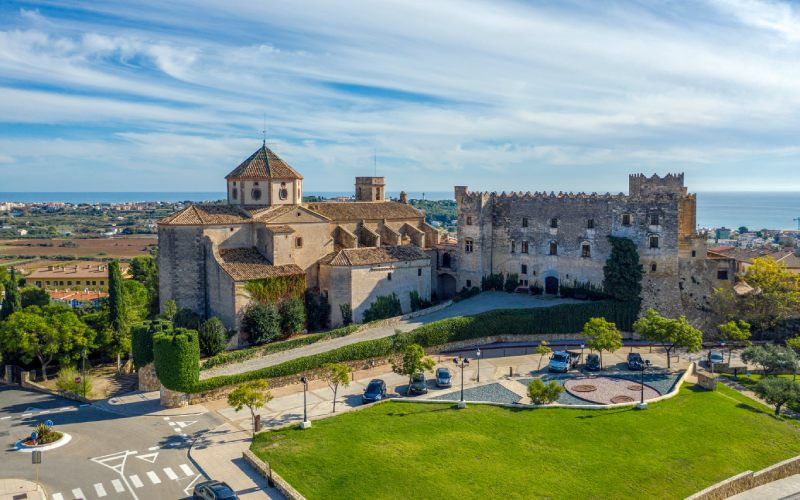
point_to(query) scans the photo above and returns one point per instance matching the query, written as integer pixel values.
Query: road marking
(5, 418)
(137, 483)
(189, 486)
(78, 494)
(153, 477)
(173, 423)
(166, 418)
(114, 461)
(186, 423)
(150, 457)
(152, 448)
(44, 412)
(186, 469)
(27, 414)
(170, 473)
(58, 496)
(98, 487)
(118, 485)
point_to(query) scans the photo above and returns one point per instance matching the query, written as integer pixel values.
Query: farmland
(19, 251)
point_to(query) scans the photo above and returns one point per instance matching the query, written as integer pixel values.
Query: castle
(352, 252)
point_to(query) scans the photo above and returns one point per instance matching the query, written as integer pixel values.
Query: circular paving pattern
(608, 390)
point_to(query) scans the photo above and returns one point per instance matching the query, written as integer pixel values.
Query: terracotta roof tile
(365, 210)
(206, 214)
(243, 264)
(264, 164)
(366, 256)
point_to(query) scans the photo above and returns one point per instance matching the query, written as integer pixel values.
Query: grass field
(406, 450)
(118, 247)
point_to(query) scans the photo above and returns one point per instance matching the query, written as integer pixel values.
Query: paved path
(483, 302)
(781, 489)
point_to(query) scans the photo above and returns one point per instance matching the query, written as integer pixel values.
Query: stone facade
(550, 239)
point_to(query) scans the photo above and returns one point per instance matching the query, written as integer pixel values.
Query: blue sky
(170, 96)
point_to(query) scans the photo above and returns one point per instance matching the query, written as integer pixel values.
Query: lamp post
(478, 355)
(461, 363)
(642, 405)
(305, 424)
(582, 346)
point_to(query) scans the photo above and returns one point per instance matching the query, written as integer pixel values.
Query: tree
(33, 296)
(733, 332)
(347, 314)
(262, 323)
(511, 283)
(743, 229)
(336, 374)
(543, 349)
(212, 336)
(293, 316)
(542, 394)
(137, 302)
(771, 358)
(144, 269)
(253, 395)
(622, 273)
(385, 306)
(670, 333)
(12, 302)
(318, 310)
(186, 318)
(117, 313)
(603, 336)
(778, 392)
(794, 344)
(170, 310)
(412, 361)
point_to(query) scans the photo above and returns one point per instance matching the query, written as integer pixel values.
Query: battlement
(641, 185)
(463, 194)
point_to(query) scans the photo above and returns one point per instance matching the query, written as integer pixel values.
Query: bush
(542, 394)
(466, 293)
(212, 336)
(512, 281)
(385, 306)
(582, 290)
(536, 289)
(347, 314)
(186, 318)
(46, 434)
(65, 381)
(293, 316)
(261, 323)
(318, 311)
(492, 282)
(277, 289)
(177, 359)
(417, 303)
(142, 340)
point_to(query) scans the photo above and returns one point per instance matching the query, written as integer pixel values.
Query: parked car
(375, 391)
(593, 362)
(418, 384)
(715, 357)
(213, 490)
(635, 361)
(443, 377)
(563, 361)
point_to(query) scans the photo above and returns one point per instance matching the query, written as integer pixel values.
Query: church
(348, 251)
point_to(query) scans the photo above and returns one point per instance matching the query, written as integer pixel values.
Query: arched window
(654, 242)
(234, 193)
(256, 193)
(554, 223)
(586, 250)
(653, 267)
(283, 194)
(553, 248)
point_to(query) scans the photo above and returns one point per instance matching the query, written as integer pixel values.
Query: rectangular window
(654, 242)
(94, 282)
(48, 283)
(468, 245)
(590, 224)
(694, 253)
(586, 250)
(653, 219)
(469, 220)
(39, 284)
(102, 282)
(513, 246)
(626, 219)
(469, 283)
(69, 283)
(419, 272)
(389, 276)
(554, 223)
(298, 242)
(722, 274)
(553, 248)
(524, 222)
(524, 269)
(524, 247)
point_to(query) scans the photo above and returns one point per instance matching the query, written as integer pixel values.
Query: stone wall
(181, 267)
(148, 380)
(748, 480)
(265, 470)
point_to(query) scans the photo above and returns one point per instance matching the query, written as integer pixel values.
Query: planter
(64, 439)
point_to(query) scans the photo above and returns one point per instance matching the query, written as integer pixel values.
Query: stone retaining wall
(28, 383)
(265, 470)
(148, 380)
(748, 480)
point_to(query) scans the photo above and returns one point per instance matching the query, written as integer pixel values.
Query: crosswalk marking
(118, 485)
(137, 483)
(153, 477)
(101, 491)
(170, 473)
(58, 496)
(77, 493)
(186, 469)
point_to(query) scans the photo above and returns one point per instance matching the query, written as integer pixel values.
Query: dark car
(418, 384)
(213, 490)
(375, 391)
(443, 377)
(715, 357)
(593, 362)
(635, 361)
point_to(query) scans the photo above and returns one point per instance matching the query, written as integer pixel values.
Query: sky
(108, 95)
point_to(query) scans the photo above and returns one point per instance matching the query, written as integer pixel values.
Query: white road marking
(149, 457)
(152, 448)
(58, 496)
(153, 477)
(186, 423)
(189, 486)
(27, 414)
(78, 494)
(101, 491)
(137, 483)
(186, 469)
(44, 412)
(173, 423)
(166, 418)
(177, 430)
(170, 473)
(118, 485)
(5, 418)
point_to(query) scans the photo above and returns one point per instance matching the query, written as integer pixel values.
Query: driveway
(482, 302)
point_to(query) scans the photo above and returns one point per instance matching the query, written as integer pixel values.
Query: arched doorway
(551, 285)
(447, 286)
(446, 260)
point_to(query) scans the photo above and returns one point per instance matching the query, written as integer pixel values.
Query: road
(110, 455)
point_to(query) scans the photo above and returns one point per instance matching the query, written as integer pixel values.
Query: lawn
(406, 450)
(750, 382)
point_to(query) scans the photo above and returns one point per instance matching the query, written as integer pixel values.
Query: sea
(755, 210)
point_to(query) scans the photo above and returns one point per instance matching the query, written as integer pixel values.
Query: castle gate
(551, 285)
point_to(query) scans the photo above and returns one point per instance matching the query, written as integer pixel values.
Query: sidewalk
(11, 489)
(135, 404)
(782, 488)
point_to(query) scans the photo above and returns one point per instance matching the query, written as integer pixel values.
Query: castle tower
(264, 179)
(370, 189)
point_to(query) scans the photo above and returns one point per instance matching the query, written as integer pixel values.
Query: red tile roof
(263, 164)
(244, 264)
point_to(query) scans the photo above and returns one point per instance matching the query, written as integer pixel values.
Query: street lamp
(461, 363)
(582, 345)
(642, 405)
(478, 354)
(305, 424)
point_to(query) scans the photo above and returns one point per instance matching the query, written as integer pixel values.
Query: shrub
(536, 289)
(142, 340)
(542, 394)
(318, 311)
(492, 282)
(347, 314)
(417, 302)
(582, 290)
(293, 316)
(46, 434)
(466, 293)
(385, 306)
(512, 281)
(212, 336)
(65, 381)
(261, 323)
(177, 359)
(186, 318)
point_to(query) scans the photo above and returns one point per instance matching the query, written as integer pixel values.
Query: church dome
(263, 164)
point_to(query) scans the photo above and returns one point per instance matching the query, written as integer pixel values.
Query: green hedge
(277, 288)
(142, 340)
(563, 318)
(177, 359)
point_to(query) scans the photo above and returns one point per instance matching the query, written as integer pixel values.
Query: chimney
(403, 197)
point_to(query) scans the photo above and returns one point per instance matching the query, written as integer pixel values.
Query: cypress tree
(13, 299)
(117, 315)
(622, 274)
